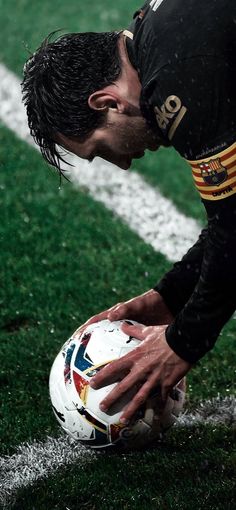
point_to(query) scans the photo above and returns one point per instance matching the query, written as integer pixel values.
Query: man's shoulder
(166, 30)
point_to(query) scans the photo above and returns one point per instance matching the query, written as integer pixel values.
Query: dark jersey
(185, 55)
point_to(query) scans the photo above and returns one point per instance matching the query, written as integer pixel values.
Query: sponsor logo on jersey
(169, 115)
(215, 177)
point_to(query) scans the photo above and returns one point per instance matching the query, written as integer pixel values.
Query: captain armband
(215, 176)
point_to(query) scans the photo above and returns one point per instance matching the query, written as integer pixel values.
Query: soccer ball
(76, 404)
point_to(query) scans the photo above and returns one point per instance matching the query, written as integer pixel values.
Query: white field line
(154, 218)
(35, 461)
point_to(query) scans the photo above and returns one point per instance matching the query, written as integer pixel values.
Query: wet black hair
(57, 82)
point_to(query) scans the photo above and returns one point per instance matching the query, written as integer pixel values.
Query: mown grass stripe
(154, 218)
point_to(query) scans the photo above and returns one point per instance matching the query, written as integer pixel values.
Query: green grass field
(64, 256)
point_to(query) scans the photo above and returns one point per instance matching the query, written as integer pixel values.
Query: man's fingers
(138, 400)
(137, 331)
(111, 373)
(95, 318)
(129, 382)
(118, 312)
(81, 329)
(125, 310)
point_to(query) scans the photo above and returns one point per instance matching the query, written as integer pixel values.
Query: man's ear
(103, 100)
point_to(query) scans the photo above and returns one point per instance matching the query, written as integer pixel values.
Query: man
(170, 79)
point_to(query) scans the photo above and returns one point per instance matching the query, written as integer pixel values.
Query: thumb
(118, 313)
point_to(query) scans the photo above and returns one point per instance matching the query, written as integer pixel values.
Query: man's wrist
(183, 347)
(166, 313)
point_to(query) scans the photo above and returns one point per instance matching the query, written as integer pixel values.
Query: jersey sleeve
(178, 284)
(195, 109)
(213, 300)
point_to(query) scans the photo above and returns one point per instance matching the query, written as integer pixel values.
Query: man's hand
(151, 365)
(148, 308)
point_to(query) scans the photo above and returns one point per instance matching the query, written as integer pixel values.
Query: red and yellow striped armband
(215, 177)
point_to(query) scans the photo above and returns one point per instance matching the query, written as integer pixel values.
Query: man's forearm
(197, 326)
(178, 284)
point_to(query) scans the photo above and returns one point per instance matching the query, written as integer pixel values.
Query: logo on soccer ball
(213, 172)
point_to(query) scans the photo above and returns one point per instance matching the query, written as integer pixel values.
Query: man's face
(122, 139)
